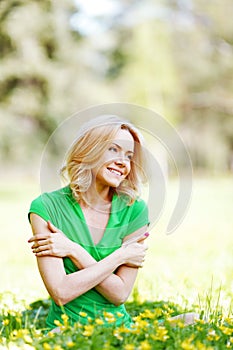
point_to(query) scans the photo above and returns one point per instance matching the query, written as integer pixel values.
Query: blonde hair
(91, 143)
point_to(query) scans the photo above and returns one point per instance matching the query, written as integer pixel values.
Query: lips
(115, 171)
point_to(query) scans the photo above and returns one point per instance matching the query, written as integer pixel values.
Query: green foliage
(21, 330)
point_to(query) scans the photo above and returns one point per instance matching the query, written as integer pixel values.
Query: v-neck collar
(83, 219)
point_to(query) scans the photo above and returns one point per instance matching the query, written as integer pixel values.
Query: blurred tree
(173, 56)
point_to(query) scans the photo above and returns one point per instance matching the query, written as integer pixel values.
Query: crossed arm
(50, 245)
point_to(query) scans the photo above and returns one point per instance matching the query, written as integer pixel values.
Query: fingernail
(147, 234)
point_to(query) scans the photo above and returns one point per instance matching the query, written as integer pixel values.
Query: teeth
(115, 172)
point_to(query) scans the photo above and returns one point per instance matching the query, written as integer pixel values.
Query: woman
(89, 236)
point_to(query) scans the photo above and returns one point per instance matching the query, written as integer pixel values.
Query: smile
(116, 172)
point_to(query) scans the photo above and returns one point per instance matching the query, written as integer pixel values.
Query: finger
(41, 249)
(145, 236)
(51, 227)
(43, 253)
(38, 237)
(41, 243)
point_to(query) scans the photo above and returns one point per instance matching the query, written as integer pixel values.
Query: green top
(61, 208)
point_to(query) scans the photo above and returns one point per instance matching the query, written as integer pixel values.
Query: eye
(113, 149)
(130, 156)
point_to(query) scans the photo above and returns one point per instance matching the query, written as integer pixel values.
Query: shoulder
(52, 196)
(44, 204)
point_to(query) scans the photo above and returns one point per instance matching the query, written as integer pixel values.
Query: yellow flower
(158, 312)
(229, 320)
(5, 322)
(82, 314)
(145, 345)
(123, 329)
(117, 334)
(129, 347)
(57, 323)
(46, 346)
(226, 330)
(65, 318)
(186, 344)
(88, 330)
(99, 321)
(161, 334)
(212, 335)
(201, 346)
(107, 314)
(70, 344)
(27, 339)
(57, 347)
(147, 314)
(109, 317)
(119, 314)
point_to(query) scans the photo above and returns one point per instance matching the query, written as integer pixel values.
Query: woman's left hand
(54, 243)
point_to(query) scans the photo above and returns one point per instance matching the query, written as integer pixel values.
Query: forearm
(64, 288)
(113, 287)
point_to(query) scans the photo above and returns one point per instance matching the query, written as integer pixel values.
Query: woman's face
(115, 164)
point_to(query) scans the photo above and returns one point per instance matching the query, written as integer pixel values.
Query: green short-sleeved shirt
(64, 212)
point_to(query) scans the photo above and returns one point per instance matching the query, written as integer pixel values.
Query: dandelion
(119, 314)
(82, 314)
(88, 330)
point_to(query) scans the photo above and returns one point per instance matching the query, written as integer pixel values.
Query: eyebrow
(118, 146)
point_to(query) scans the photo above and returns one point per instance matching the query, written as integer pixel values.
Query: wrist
(120, 256)
(72, 250)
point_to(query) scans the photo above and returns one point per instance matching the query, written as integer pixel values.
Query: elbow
(60, 297)
(120, 298)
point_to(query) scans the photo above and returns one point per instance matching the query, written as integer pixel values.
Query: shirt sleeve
(38, 207)
(139, 216)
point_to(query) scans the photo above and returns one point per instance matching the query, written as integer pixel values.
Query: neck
(98, 198)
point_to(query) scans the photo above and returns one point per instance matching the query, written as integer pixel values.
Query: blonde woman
(80, 230)
(89, 237)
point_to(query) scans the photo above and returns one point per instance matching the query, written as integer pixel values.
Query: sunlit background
(174, 57)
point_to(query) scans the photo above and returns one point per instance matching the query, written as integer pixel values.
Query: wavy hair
(91, 143)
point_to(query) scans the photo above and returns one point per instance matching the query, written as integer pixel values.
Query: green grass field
(192, 268)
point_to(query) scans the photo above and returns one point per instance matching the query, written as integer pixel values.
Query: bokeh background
(172, 56)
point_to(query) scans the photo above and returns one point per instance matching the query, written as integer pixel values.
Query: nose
(120, 160)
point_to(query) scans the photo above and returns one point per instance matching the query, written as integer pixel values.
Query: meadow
(189, 270)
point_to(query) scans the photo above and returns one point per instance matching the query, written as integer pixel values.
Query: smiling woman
(89, 236)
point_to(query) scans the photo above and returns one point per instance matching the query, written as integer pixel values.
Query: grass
(191, 268)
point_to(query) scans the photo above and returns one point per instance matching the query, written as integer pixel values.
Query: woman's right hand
(134, 253)
(53, 243)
